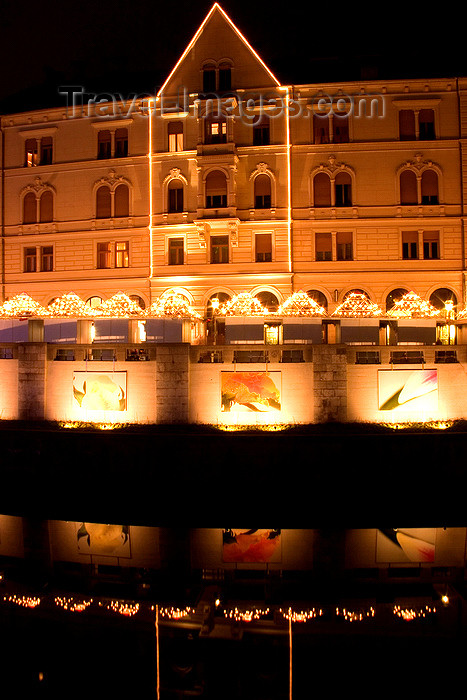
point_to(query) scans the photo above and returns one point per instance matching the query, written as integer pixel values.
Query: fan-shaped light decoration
(244, 304)
(357, 305)
(119, 306)
(70, 305)
(300, 304)
(171, 305)
(412, 306)
(22, 305)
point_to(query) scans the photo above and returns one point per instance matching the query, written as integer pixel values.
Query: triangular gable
(218, 39)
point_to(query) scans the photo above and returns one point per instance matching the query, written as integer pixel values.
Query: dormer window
(217, 77)
(209, 78)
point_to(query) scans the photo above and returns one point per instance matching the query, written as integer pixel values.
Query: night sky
(118, 46)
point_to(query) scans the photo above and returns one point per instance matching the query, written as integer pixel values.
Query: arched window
(46, 206)
(122, 201)
(103, 203)
(29, 208)
(269, 300)
(394, 296)
(356, 291)
(321, 190)
(429, 187)
(319, 297)
(138, 300)
(343, 190)
(94, 302)
(175, 196)
(262, 192)
(216, 190)
(408, 187)
(441, 296)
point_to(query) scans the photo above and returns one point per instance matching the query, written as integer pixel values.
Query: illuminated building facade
(228, 183)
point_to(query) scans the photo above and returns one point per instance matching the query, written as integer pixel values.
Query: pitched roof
(218, 39)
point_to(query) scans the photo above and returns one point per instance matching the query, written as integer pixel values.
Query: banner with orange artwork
(250, 391)
(253, 546)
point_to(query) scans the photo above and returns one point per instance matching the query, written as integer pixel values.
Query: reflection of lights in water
(174, 613)
(431, 425)
(245, 615)
(72, 605)
(23, 601)
(302, 615)
(271, 427)
(122, 608)
(355, 615)
(409, 614)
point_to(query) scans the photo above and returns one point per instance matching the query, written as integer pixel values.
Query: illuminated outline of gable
(218, 8)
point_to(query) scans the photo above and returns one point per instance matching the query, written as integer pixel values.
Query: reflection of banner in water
(250, 391)
(409, 544)
(414, 389)
(106, 540)
(258, 546)
(100, 391)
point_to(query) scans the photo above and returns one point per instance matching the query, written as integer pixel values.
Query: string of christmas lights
(175, 305)
(70, 305)
(172, 305)
(243, 304)
(22, 305)
(72, 605)
(412, 306)
(357, 305)
(301, 615)
(300, 304)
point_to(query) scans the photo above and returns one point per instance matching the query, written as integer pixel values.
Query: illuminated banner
(106, 540)
(250, 391)
(414, 391)
(402, 545)
(258, 546)
(100, 391)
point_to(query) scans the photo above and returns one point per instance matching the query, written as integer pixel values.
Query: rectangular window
(219, 249)
(426, 125)
(104, 256)
(47, 258)
(31, 156)
(176, 251)
(344, 247)
(175, 131)
(263, 247)
(340, 129)
(261, 133)
(431, 245)
(30, 259)
(321, 128)
(46, 150)
(407, 125)
(409, 245)
(323, 246)
(122, 255)
(121, 143)
(216, 201)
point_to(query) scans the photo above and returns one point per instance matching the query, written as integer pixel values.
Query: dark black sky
(118, 46)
